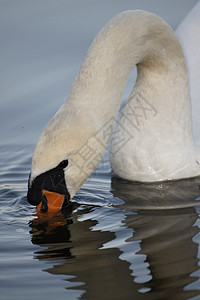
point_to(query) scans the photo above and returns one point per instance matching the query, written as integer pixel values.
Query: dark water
(118, 240)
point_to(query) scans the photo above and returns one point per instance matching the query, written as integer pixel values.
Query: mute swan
(189, 35)
(153, 140)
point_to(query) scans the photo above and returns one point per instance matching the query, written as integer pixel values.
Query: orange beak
(54, 201)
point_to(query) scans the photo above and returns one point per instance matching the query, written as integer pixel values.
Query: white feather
(153, 140)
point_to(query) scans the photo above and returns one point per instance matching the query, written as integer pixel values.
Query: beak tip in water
(52, 202)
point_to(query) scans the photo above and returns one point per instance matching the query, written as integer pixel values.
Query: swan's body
(155, 124)
(189, 34)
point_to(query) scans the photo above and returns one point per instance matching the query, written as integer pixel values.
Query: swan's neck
(134, 38)
(163, 131)
(131, 38)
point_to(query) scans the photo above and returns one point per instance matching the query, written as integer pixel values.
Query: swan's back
(189, 34)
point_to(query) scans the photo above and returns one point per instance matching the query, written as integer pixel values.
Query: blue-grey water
(118, 240)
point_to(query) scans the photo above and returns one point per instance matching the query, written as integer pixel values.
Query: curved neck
(162, 149)
(133, 38)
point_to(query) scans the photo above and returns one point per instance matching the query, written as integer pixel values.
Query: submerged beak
(48, 191)
(51, 202)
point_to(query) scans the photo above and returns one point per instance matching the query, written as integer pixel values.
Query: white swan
(189, 34)
(153, 141)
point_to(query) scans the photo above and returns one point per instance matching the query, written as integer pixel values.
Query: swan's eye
(56, 179)
(63, 164)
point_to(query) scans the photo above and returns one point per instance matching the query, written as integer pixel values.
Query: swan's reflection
(163, 195)
(136, 251)
(165, 226)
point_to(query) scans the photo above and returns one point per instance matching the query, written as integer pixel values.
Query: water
(118, 240)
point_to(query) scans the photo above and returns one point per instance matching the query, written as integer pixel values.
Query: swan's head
(48, 190)
(60, 163)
